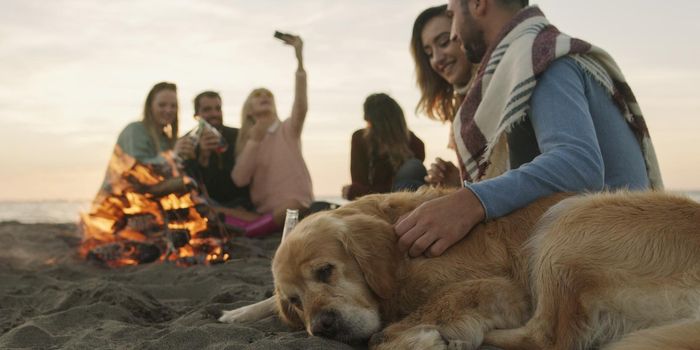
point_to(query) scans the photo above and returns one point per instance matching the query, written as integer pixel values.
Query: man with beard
(546, 113)
(208, 163)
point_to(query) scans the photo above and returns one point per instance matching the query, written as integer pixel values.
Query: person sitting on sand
(385, 156)
(546, 113)
(207, 163)
(157, 131)
(269, 156)
(145, 141)
(443, 73)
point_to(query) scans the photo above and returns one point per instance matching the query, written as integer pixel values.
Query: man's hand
(184, 147)
(208, 142)
(439, 223)
(443, 173)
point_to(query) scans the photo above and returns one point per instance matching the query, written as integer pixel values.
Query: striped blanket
(500, 95)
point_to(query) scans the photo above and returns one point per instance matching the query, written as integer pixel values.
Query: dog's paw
(420, 337)
(249, 313)
(232, 316)
(241, 315)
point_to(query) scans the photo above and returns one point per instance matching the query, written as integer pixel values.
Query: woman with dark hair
(385, 156)
(443, 74)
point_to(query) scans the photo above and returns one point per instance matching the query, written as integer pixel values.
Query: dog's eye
(296, 302)
(324, 273)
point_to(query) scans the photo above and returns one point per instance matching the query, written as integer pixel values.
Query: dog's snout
(326, 324)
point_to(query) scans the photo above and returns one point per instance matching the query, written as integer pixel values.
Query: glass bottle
(290, 221)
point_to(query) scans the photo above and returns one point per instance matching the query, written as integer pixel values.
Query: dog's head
(335, 268)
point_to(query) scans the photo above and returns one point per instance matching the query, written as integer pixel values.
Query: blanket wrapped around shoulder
(500, 94)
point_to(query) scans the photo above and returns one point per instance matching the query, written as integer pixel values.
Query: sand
(51, 299)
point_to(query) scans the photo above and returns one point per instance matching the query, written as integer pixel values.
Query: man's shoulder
(229, 132)
(564, 67)
(230, 128)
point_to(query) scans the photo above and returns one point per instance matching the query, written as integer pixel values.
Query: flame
(128, 225)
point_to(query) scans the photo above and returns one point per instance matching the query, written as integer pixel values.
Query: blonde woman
(268, 155)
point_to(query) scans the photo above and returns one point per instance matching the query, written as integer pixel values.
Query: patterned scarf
(506, 80)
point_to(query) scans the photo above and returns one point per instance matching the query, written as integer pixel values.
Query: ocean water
(66, 211)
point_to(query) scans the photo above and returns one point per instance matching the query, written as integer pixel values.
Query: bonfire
(145, 213)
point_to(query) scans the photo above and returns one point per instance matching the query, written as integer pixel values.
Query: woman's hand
(443, 173)
(296, 42)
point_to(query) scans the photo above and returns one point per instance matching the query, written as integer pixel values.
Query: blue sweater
(575, 139)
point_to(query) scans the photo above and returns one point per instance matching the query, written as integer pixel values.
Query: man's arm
(570, 161)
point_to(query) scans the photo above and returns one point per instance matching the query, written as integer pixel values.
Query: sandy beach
(52, 299)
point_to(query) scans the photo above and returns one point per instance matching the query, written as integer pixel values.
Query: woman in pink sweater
(268, 155)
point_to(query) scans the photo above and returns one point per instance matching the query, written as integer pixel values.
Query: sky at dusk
(73, 73)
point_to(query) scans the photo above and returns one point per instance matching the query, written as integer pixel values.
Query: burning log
(179, 238)
(124, 253)
(147, 213)
(142, 222)
(175, 215)
(177, 186)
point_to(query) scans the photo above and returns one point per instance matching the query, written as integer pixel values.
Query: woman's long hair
(247, 120)
(149, 122)
(387, 133)
(437, 98)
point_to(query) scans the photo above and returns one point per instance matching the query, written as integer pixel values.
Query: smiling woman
(443, 74)
(442, 69)
(146, 139)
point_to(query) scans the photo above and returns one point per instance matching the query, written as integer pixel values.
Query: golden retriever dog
(613, 271)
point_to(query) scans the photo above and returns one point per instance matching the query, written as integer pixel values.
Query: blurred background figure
(146, 141)
(157, 131)
(210, 156)
(269, 156)
(385, 156)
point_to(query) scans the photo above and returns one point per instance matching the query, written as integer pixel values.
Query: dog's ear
(371, 241)
(287, 313)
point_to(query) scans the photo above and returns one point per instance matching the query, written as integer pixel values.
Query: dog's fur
(616, 270)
